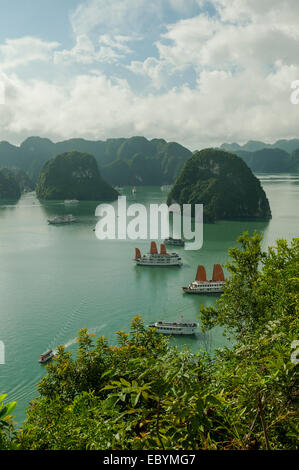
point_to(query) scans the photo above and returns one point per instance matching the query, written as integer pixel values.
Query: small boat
(154, 258)
(134, 190)
(165, 187)
(62, 219)
(203, 286)
(174, 241)
(46, 356)
(71, 201)
(175, 328)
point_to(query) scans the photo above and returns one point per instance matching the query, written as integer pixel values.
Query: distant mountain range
(282, 156)
(253, 145)
(139, 161)
(136, 160)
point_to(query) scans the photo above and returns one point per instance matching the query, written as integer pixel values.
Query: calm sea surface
(55, 280)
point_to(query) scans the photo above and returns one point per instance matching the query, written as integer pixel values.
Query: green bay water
(55, 280)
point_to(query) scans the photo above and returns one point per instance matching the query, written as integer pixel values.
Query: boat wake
(72, 341)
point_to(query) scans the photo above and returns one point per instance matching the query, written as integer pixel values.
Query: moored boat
(165, 187)
(71, 201)
(62, 219)
(46, 356)
(154, 258)
(174, 241)
(175, 328)
(203, 286)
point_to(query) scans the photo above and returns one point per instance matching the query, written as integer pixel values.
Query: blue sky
(193, 71)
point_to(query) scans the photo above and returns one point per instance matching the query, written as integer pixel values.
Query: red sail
(154, 249)
(218, 274)
(163, 249)
(201, 274)
(137, 253)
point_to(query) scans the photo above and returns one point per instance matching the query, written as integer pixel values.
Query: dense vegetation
(73, 175)
(118, 159)
(9, 185)
(223, 183)
(145, 394)
(24, 181)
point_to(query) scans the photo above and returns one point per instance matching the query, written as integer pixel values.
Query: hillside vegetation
(224, 184)
(9, 185)
(118, 159)
(73, 175)
(144, 393)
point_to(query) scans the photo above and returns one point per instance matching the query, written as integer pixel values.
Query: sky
(192, 71)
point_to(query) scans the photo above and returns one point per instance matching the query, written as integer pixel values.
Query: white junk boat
(202, 286)
(174, 241)
(154, 258)
(62, 219)
(175, 328)
(71, 201)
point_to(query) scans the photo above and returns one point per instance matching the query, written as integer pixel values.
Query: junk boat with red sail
(154, 258)
(46, 356)
(202, 285)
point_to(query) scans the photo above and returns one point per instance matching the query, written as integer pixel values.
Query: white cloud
(157, 71)
(22, 51)
(221, 108)
(205, 42)
(119, 16)
(108, 49)
(115, 16)
(259, 11)
(243, 61)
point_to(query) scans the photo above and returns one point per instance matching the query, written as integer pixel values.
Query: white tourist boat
(166, 187)
(62, 219)
(68, 202)
(174, 241)
(154, 258)
(203, 286)
(175, 328)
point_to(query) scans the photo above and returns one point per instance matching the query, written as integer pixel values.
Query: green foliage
(259, 311)
(73, 175)
(140, 161)
(9, 186)
(224, 184)
(6, 427)
(145, 394)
